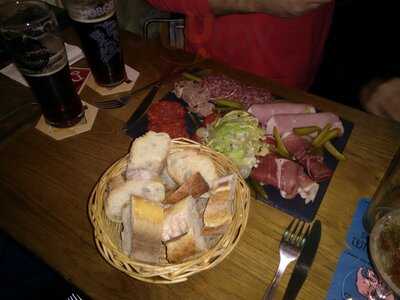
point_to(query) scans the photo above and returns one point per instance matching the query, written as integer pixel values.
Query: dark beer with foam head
(97, 26)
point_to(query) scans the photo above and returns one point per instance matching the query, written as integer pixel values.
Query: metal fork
(114, 103)
(74, 296)
(292, 242)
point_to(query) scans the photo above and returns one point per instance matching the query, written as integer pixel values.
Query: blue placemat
(354, 274)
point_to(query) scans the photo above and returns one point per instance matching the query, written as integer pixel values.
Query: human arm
(382, 98)
(281, 8)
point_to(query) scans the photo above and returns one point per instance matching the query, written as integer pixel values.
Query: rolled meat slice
(299, 147)
(287, 176)
(287, 122)
(263, 112)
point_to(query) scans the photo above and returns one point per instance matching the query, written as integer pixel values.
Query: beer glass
(29, 32)
(97, 26)
(387, 197)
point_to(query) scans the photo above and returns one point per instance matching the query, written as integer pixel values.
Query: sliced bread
(147, 226)
(219, 209)
(181, 165)
(194, 186)
(149, 152)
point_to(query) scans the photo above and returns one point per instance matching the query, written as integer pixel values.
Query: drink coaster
(124, 87)
(84, 125)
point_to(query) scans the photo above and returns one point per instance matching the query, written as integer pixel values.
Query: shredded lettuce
(238, 136)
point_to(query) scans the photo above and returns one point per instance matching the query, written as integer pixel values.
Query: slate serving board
(295, 207)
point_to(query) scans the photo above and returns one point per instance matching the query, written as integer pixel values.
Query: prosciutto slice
(286, 175)
(263, 112)
(287, 122)
(299, 147)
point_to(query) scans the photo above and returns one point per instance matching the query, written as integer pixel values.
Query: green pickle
(280, 146)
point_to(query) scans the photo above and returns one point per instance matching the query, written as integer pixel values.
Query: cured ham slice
(286, 175)
(263, 112)
(299, 147)
(287, 122)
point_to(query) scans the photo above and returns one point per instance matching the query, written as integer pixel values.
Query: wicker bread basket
(107, 233)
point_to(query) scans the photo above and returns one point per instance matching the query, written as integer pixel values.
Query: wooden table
(45, 185)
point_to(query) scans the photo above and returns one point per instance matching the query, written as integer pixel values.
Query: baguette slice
(149, 152)
(120, 194)
(190, 243)
(179, 218)
(219, 210)
(147, 225)
(181, 165)
(194, 186)
(126, 233)
(168, 182)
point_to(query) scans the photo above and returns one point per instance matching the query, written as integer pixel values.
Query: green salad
(239, 137)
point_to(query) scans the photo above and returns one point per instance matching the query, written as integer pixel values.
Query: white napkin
(74, 53)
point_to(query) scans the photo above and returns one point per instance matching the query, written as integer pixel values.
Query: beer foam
(97, 20)
(92, 14)
(50, 72)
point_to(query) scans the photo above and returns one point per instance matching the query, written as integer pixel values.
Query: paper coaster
(84, 125)
(124, 87)
(354, 277)
(79, 77)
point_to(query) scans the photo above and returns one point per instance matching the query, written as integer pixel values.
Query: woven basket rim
(169, 273)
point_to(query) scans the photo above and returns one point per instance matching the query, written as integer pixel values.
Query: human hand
(382, 98)
(280, 8)
(291, 8)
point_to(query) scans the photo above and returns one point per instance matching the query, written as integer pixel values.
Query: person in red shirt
(278, 39)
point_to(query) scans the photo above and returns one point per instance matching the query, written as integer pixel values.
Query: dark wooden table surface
(45, 185)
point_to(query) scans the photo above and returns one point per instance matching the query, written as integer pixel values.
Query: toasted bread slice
(149, 152)
(147, 226)
(194, 186)
(179, 218)
(219, 210)
(181, 165)
(190, 243)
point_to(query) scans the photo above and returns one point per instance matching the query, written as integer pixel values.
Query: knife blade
(304, 262)
(143, 107)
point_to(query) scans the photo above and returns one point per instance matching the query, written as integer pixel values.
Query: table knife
(304, 262)
(143, 107)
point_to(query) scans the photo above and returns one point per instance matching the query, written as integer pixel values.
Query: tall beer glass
(387, 197)
(29, 32)
(97, 26)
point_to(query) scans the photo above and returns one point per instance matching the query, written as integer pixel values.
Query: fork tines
(114, 103)
(296, 232)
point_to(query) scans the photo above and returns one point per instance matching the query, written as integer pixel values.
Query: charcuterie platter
(287, 151)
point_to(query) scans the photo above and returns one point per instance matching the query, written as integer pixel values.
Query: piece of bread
(189, 244)
(140, 174)
(194, 186)
(181, 165)
(219, 209)
(147, 226)
(179, 218)
(126, 233)
(169, 183)
(149, 152)
(119, 196)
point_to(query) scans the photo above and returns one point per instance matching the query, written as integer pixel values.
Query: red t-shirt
(288, 50)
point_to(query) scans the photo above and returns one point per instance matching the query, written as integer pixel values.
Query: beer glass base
(67, 124)
(111, 85)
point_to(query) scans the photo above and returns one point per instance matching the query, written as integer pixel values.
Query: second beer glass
(97, 26)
